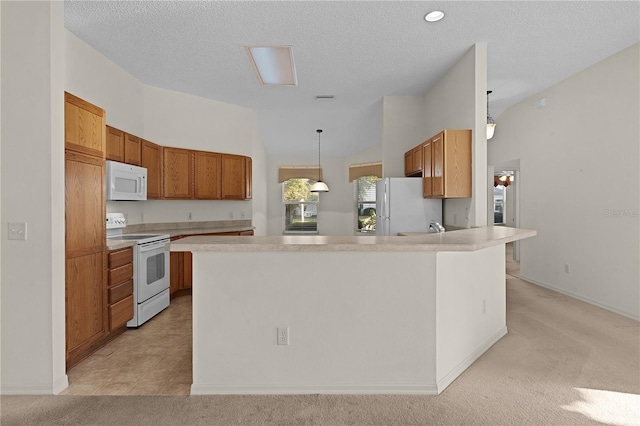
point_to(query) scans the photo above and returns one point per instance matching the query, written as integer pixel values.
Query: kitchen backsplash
(161, 211)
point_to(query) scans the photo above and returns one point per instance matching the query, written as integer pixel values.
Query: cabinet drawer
(121, 274)
(120, 291)
(120, 313)
(120, 257)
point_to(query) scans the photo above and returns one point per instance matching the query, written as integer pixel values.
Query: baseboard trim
(456, 371)
(26, 390)
(303, 390)
(61, 384)
(581, 298)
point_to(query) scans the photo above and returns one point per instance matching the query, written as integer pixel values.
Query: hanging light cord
(319, 131)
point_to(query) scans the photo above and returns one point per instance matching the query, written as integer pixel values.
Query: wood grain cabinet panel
(177, 173)
(427, 185)
(248, 178)
(120, 313)
(84, 126)
(413, 161)
(151, 159)
(85, 204)
(120, 274)
(207, 175)
(132, 150)
(447, 165)
(85, 301)
(85, 232)
(233, 177)
(120, 291)
(417, 158)
(120, 257)
(115, 144)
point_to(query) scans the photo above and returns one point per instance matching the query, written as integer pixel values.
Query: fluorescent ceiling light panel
(273, 65)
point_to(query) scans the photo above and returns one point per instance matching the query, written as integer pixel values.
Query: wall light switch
(17, 230)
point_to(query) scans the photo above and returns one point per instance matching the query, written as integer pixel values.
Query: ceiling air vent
(325, 97)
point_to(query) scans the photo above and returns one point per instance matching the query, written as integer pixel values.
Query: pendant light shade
(319, 186)
(491, 124)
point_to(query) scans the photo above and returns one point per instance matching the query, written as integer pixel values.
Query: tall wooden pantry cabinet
(85, 216)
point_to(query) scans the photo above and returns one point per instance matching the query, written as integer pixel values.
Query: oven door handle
(153, 246)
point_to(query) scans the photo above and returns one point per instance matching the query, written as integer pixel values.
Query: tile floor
(154, 359)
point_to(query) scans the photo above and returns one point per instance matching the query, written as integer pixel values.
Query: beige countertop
(461, 240)
(181, 229)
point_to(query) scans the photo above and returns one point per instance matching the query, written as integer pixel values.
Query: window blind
(298, 172)
(368, 169)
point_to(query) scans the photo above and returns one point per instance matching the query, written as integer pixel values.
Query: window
(365, 199)
(300, 207)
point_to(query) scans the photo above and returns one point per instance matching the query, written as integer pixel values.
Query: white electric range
(150, 269)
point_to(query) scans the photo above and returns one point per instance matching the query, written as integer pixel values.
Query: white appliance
(150, 269)
(400, 207)
(126, 182)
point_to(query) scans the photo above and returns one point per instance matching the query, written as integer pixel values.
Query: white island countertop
(460, 240)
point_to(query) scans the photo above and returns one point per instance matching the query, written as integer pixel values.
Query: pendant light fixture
(491, 124)
(319, 186)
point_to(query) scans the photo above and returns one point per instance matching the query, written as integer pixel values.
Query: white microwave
(126, 182)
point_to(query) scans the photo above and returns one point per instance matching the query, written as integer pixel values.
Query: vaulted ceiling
(358, 51)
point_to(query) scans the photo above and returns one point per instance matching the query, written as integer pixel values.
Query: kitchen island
(357, 314)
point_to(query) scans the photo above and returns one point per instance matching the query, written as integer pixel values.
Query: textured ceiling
(359, 51)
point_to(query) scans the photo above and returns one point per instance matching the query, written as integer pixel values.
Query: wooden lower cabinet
(86, 302)
(180, 268)
(120, 312)
(120, 288)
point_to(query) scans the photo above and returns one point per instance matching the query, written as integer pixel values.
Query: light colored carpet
(563, 362)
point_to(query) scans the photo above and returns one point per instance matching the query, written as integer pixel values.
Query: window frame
(357, 202)
(284, 211)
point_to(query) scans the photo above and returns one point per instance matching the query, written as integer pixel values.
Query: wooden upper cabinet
(437, 165)
(123, 147)
(447, 165)
(177, 173)
(413, 161)
(132, 150)
(408, 163)
(84, 126)
(233, 177)
(151, 159)
(427, 162)
(207, 175)
(417, 158)
(248, 178)
(115, 144)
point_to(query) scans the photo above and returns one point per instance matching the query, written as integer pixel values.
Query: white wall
(403, 128)
(32, 176)
(579, 182)
(458, 101)
(336, 214)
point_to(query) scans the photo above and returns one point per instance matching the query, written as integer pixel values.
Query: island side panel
(470, 308)
(359, 322)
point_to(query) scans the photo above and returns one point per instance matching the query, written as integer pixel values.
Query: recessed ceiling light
(434, 16)
(273, 65)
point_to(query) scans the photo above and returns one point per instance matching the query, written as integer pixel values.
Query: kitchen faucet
(436, 226)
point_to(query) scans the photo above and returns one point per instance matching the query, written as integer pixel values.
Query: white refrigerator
(400, 207)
